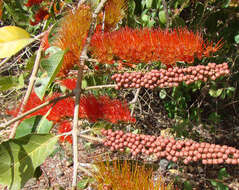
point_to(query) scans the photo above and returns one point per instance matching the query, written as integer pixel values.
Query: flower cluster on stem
(131, 46)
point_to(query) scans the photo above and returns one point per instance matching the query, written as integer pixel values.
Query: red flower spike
(62, 109)
(91, 108)
(39, 16)
(132, 46)
(69, 83)
(65, 127)
(44, 41)
(210, 49)
(33, 2)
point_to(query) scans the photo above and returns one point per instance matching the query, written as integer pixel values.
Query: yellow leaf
(12, 40)
(173, 171)
(166, 133)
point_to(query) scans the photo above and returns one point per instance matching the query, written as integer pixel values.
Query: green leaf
(34, 124)
(84, 83)
(149, 4)
(8, 82)
(215, 93)
(20, 82)
(178, 22)
(44, 125)
(82, 184)
(145, 17)
(162, 17)
(236, 38)
(163, 94)
(52, 66)
(219, 185)
(187, 186)
(27, 126)
(222, 173)
(20, 157)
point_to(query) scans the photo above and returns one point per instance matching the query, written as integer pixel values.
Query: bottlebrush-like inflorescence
(164, 147)
(114, 12)
(69, 83)
(171, 77)
(91, 108)
(64, 127)
(33, 2)
(39, 16)
(126, 176)
(131, 46)
(112, 110)
(71, 35)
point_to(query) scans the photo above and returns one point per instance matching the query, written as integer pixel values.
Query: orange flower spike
(71, 35)
(210, 49)
(114, 12)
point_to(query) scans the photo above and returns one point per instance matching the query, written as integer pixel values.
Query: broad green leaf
(178, 22)
(52, 66)
(187, 185)
(236, 38)
(44, 125)
(8, 82)
(162, 17)
(12, 40)
(145, 17)
(82, 184)
(162, 94)
(20, 82)
(27, 126)
(149, 4)
(215, 93)
(84, 83)
(222, 173)
(35, 124)
(20, 157)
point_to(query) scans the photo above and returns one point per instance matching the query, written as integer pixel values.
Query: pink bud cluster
(169, 148)
(170, 77)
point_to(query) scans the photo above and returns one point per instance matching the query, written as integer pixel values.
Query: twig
(35, 109)
(75, 126)
(88, 137)
(134, 100)
(78, 91)
(100, 86)
(165, 8)
(4, 61)
(29, 89)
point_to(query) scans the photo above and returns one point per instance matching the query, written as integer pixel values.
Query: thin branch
(4, 61)
(100, 87)
(165, 8)
(88, 137)
(29, 89)
(75, 126)
(35, 109)
(78, 91)
(134, 100)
